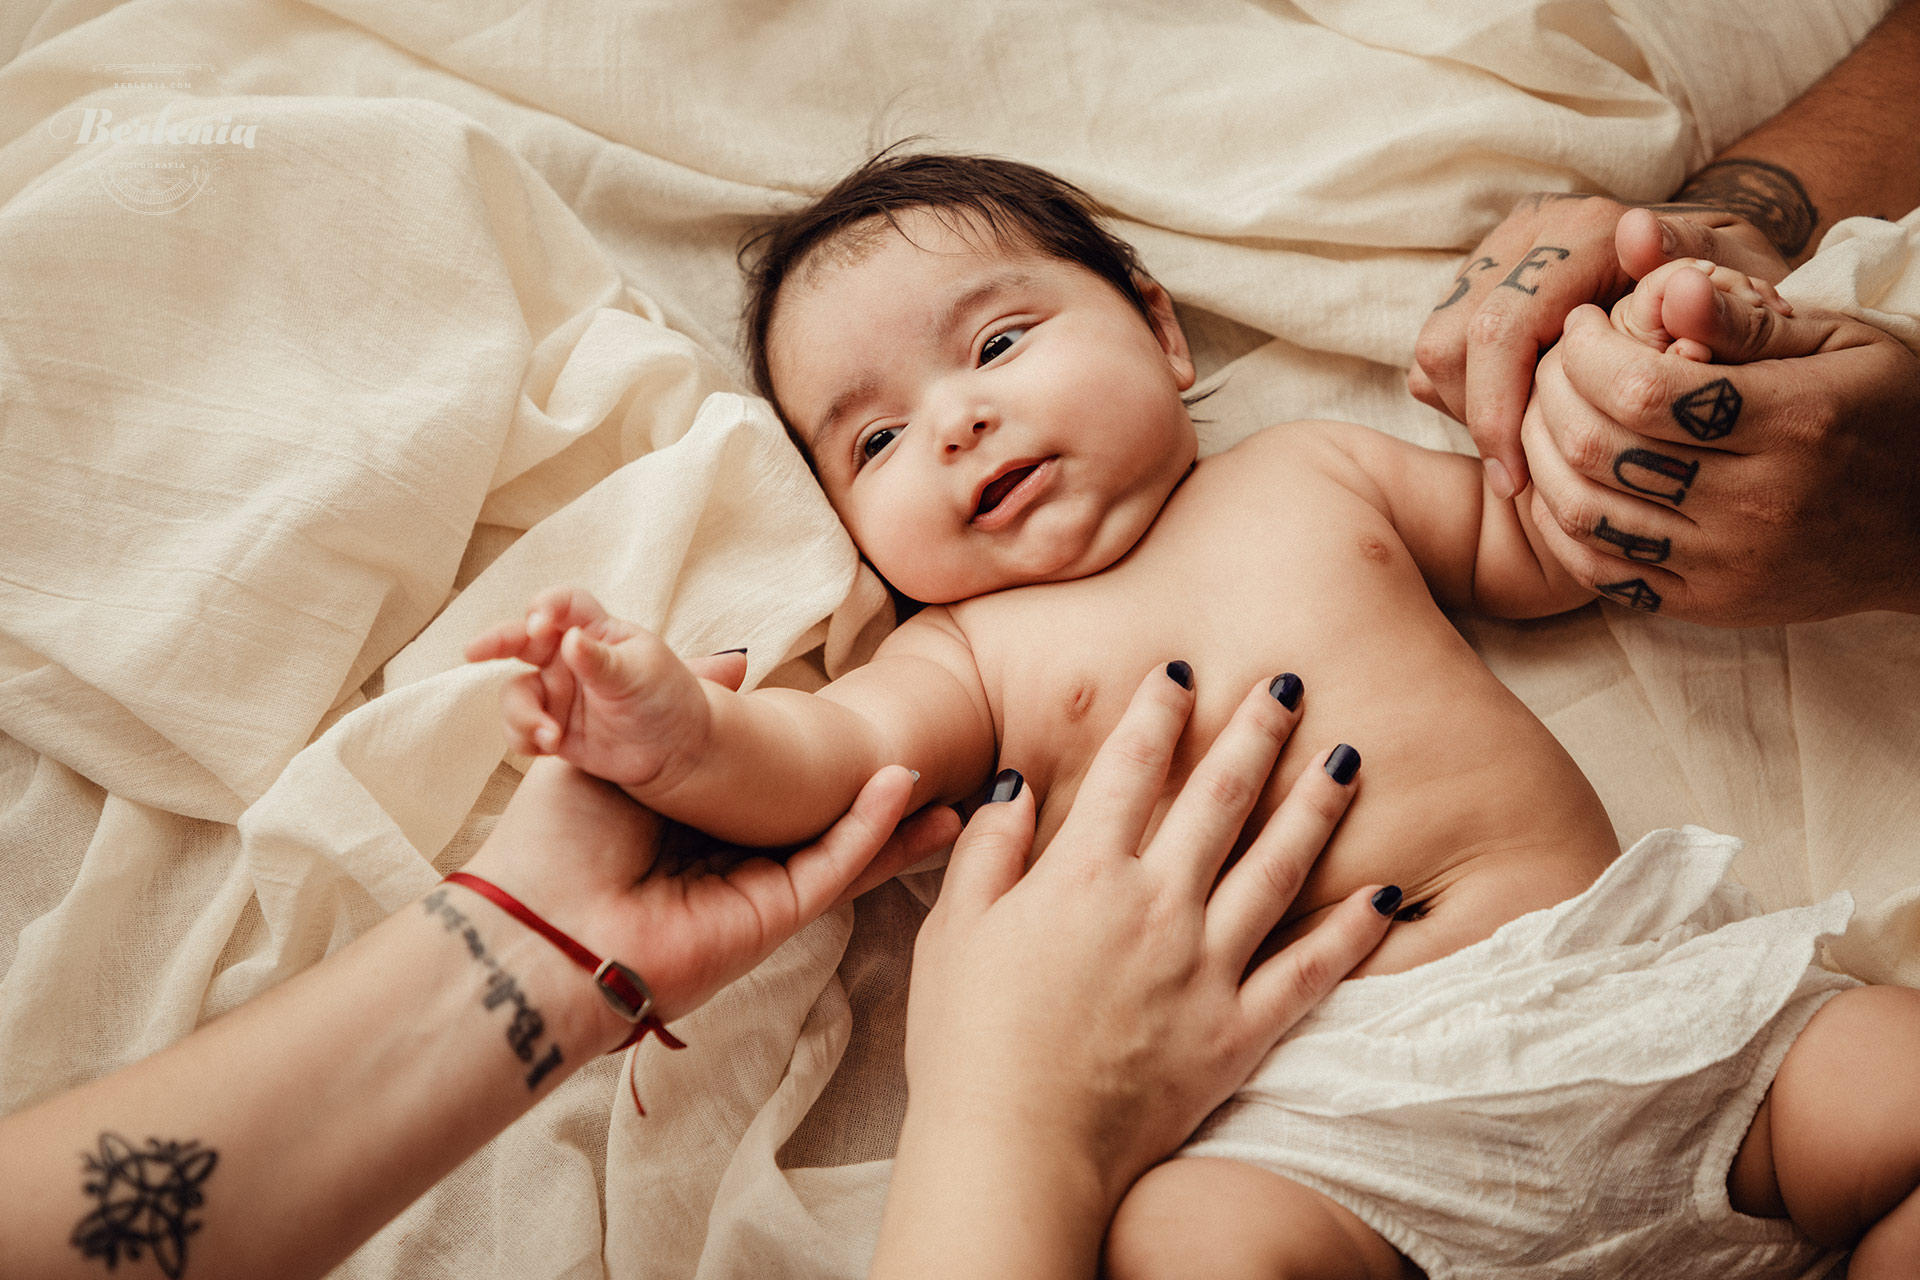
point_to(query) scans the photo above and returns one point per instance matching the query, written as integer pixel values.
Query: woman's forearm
(978, 1199)
(276, 1139)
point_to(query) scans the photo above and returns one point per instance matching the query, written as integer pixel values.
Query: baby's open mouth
(995, 493)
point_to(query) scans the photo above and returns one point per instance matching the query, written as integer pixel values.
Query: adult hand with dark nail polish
(1070, 1025)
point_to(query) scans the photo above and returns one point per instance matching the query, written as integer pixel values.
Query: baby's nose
(961, 439)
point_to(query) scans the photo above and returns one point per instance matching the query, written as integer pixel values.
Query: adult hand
(1781, 486)
(584, 856)
(1475, 356)
(1068, 1027)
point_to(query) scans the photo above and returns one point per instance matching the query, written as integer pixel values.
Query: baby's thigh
(1227, 1220)
(1840, 1129)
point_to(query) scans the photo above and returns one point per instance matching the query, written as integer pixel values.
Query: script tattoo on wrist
(1634, 546)
(1634, 593)
(1537, 259)
(1766, 195)
(526, 1026)
(144, 1198)
(1656, 475)
(1463, 283)
(1709, 412)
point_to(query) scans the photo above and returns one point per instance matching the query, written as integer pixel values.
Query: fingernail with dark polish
(1180, 673)
(1006, 786)
(1343, 764)
(724, 652)
(1286, 690)
(1387, 900)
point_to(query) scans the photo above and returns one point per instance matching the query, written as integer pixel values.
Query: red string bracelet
(623, 989)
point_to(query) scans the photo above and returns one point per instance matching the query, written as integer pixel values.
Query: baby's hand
(1677, 307)
(606, 696)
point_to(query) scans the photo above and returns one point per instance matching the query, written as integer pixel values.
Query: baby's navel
(1079, 701)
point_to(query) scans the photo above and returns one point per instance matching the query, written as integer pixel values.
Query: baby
(990, 390)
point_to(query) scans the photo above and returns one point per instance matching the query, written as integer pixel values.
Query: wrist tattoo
(1709, 412)
(1536, 260)
(1462, 283)
(1634, 593)
(526, 1026)
(1634, 546)
(1656, 475)
(1766, 195)
(145, 1198)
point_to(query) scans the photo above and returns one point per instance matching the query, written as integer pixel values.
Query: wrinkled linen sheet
(439, 310)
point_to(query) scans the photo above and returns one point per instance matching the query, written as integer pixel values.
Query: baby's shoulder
(1311, 447)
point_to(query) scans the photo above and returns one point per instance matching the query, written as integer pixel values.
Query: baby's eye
(998, 344)
(874, 443)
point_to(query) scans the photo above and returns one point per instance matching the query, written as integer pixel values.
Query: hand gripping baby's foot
(1685, 307)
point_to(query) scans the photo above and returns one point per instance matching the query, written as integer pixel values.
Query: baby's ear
(1166, 327)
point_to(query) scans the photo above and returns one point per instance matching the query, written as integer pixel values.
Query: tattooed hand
(1780, 485)
(1476, 353)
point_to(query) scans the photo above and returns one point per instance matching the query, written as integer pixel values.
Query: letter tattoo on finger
(1462, 283)
(1634, 593)
(1655, 474)
(1634, 546)
(1709, 412)
(1536, 260)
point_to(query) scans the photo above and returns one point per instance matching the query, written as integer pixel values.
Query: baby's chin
(983, 579)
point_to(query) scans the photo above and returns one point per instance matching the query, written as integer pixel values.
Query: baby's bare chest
(1241, 590)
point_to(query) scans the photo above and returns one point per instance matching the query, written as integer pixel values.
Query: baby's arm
(1475, 550)
(768, 768)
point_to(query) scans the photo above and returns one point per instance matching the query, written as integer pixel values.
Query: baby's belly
(1464, 800)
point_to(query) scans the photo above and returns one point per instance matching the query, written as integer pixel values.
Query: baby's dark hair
(1019, 205)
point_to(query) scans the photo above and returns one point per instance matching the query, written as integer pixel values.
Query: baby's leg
(1676, 307)
(1836, 1144)
(1231, 1221)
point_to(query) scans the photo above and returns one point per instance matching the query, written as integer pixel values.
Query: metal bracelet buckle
(612, 971)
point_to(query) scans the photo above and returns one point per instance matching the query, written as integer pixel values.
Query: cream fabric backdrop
(459, 325)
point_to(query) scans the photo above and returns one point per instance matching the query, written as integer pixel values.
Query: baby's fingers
(531, 731)
(508, 640)
(553, 613)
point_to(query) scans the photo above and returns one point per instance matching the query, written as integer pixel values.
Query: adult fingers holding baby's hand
(1746, 494)
(1475, 354)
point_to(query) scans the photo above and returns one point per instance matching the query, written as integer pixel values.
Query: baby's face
(980, 418)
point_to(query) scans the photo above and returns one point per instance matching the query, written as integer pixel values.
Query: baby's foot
(1677, 307)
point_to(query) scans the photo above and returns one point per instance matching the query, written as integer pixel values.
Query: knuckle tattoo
(1709, 412)
(1655, 475)
(1537, 259)
(1634, 546)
